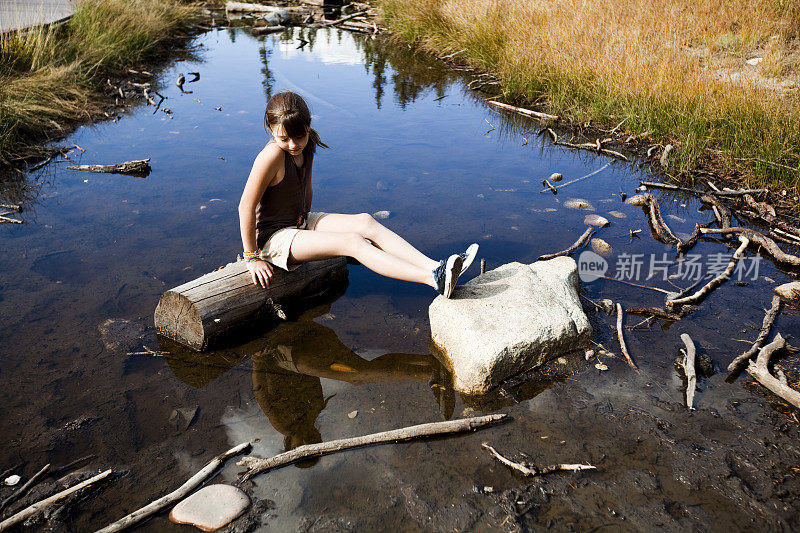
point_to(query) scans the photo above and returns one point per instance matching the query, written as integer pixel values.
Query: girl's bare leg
(380, 235)
(315, 245)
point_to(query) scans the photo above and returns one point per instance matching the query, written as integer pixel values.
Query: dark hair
(290, 111)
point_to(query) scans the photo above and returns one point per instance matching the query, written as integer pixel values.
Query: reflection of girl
(292, 402)
(278, 229)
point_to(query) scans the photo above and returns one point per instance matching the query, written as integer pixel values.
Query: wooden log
(135, 168)
(757, 238)
(195, 313)
(622, 338)
(244, 7)
(580, 242)
(660, 229)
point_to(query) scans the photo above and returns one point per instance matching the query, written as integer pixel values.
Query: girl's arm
(264, 171)
(309, 191)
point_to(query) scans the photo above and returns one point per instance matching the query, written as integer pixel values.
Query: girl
(278, 229)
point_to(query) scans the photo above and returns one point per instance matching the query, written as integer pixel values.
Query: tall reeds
(49, 75)
(677, 69)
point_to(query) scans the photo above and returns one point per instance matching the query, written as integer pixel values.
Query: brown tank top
(283, 204)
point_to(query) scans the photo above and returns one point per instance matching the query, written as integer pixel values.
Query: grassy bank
(678, 70)
(51, 77)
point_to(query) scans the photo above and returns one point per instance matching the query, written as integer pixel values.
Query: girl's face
(293, 145)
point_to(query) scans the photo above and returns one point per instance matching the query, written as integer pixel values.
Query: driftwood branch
(576, 180)
(176, 495)
(688, 368)
(128, 167)
(660, 229)
(522, 110)
(256, 465)
(741, 361)
(757, 238)
(9, 220)
(622, 339)
(580, 242)
(344, 19)
(709, 287)
(529, 470)
(760, 371)
(19, 493)
(596, 147)
(38, 506)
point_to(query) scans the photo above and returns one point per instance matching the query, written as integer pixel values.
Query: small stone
(639, 200)
(601, 247)
(596, 220)
(601, 367)
(12, 480)
(561, 361)
(769, 279)
(755, 61)
(589, 354)
(555, 177)
(488, 489)
(550, 209)
(607, 305)
(382, 215)
(617, 214)
(352, 414)
(381, 186)
(578, 203)
(677, 218)
(211, 507)
(789, 291)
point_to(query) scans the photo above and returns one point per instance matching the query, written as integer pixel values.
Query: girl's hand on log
(260, 272)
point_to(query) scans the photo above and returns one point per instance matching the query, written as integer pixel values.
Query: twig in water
(580, 242)
(528, 470)
(688, 368)
(769, 317)
(19, 493)
(8, 220)
(653, 312)
(256, 465)
(707, 289)
(522, 110)
(760, 371)
(141, 166)
(660, 229)
(38, 506)
(622, 338)
(448, 56)
(13, 207)
(576, 180)
(636, 285)
(343, 19)
(178, 494)
(549, 185)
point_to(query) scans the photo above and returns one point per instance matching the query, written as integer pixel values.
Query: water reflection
(288, 364)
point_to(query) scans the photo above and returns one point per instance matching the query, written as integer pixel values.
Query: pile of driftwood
(752, 206)
(361, 19)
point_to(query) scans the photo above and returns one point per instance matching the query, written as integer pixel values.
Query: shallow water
(81, 278)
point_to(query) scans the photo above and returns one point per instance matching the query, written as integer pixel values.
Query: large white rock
(509, 320)
(211, 507)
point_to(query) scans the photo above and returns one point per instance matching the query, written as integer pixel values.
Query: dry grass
(49, 76)
(677, 69)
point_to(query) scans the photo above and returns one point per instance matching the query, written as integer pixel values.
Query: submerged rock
(578, 203)
(211, 507)
(381, 215)
(601, 247)
(508, 320)
(596, 220)
(617, 214)
(555, 177)
(789, 291)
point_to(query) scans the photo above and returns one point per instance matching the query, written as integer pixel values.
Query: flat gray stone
(509, 320)
(211, 507)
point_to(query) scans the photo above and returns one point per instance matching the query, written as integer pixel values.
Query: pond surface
(80, 279)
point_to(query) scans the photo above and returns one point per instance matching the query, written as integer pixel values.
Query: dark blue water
(80, 279)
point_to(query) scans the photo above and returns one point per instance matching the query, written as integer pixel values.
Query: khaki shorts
(276, 249)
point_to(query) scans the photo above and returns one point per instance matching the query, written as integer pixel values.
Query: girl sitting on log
(279, 230)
